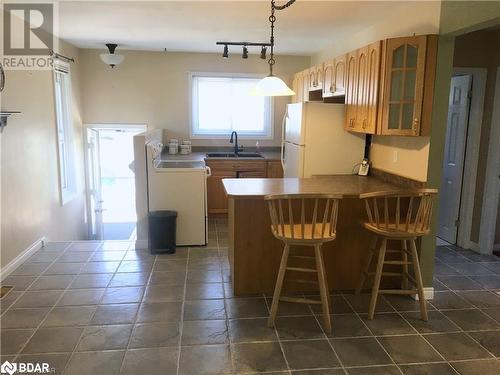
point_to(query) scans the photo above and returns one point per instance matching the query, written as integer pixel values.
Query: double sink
(234, 155)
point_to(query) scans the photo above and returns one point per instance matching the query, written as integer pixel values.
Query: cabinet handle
(351, 123)
(332, 88)
(415, 125)
(364, 124)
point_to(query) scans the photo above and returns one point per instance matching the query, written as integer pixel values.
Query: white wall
(152, 88)
(419, 17)
(30, 192)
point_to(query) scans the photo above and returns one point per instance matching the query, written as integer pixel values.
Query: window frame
(269, 120)
(66, 157)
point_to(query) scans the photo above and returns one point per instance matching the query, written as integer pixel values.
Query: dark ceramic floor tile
(258, 357)
(309, 354)
(111, 337)
(442, 269)
(75, 257)
(92, 363)
(53, 282)
(202, 276)
(164, 293)
(150, 335)
(336, 371)
(291, 309)
(84, 246)
(115, 246)
(360, 303)
(437, 322)
(129, 279)
(107, 256)
(55, 246)
(115, 314)
(12, 340)
(122, 295)
(247, 330)
(374, 370)
(69, 316)
(457, 346)
(388, 324)
(346, 325)
(204, 332)
(363, 351)
(30, 269)
(153, 361)
(23, 318)
(246, 308)
(409, 349)
(481, 299)
(298, 327)
(472, 269)
(10, 299)
(493, 313)
(489, 340)
(91, 281)
(135, 266)
(77, 297)
(204, 291)
(460, 283)
(38, 299)
(43, 257)
(205, 360)
(66, 268)
(160, 312)
(140, 254)
(338, 306)
(488, 281)
(405, 303)
(177, 265)
(449, 300)
(53, 340)
(18, 282)
(167, 278)
(204, 309)
(428, 369)
(482, 367)
(100, 267)
(470, 320)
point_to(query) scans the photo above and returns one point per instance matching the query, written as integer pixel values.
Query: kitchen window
(65, 142)
(223, 103)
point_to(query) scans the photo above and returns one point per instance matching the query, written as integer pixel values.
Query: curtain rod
(62, 57)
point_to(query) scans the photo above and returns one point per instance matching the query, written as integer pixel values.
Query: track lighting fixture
(225, 54)
(245, 52)
(263, 52)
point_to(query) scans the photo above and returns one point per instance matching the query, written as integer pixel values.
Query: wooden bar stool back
(403, 216)
(303, 220)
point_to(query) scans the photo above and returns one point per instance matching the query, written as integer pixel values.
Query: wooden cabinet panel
(216, 195)
(328, 79)
(350, 90)
(339, 78)
(316, 78)
(405, 66)
(274, 169)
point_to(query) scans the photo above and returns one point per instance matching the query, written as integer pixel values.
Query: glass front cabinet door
(404, 86)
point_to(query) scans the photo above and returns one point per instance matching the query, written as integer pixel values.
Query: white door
(293, 160)
(294, 132)
(94, 189)
(454, 155)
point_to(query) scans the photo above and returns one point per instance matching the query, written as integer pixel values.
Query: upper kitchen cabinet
(316, 78)
(409, 73)
(300, 86)
(334, 78)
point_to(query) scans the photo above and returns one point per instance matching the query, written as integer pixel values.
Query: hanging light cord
(272, 19)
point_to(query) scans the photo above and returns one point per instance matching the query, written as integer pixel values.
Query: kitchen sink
(233, 155)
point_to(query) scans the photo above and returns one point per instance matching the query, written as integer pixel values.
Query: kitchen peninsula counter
(255, 254)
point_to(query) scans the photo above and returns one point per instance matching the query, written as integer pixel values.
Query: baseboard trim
(428, 294)
(25, 254)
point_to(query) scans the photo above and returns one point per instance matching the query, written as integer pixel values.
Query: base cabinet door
(216, 195)
(274, 169)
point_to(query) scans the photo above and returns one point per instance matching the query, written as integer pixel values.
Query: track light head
(225, 54)
(245, 52)
(263, 52)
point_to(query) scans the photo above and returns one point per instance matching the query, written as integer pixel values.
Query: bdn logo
(28, 29)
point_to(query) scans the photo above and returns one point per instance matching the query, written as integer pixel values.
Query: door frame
(97, 126)
(492, 182)
(479, 76)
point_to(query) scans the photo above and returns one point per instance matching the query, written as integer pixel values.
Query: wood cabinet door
(319, 76)
(404, 85)
(216, 195)
(328, 79)
(339, 76)
(274, 169)
(305, 85)
(361, 90)
(312, 79)
(372, 87)
(350, 90)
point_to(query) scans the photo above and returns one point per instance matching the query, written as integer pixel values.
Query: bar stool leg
(418, 278)
(361, 282)
(404, 256)
(279, 285)
(323, 288)
(376, 281)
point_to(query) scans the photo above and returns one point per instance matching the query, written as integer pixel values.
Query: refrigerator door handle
(283, 130)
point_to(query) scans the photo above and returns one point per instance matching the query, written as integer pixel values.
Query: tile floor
(107, 308)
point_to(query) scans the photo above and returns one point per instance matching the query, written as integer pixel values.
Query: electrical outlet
(395, 156)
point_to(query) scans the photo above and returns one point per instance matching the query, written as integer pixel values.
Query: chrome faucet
(234, 139)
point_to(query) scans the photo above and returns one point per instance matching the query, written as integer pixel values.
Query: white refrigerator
(314, 141)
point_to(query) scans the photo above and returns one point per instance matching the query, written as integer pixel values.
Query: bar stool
(403, 216)
(303, 220)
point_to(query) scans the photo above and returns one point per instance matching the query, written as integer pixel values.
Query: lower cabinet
(274, 169)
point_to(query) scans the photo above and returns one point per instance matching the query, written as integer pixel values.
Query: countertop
(201, 156)
(347, 186)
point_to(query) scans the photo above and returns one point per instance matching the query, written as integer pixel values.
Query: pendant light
(111, 58)
(272, 85)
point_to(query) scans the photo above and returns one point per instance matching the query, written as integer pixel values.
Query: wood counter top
(348, 186)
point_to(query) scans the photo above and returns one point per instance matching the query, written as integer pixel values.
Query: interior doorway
(110, 181)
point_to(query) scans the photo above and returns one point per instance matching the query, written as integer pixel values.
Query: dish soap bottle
(257, 147)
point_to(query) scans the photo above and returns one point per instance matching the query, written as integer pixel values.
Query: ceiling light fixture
(111, 58)
(272, 85)
(245, 52)
(225, 54)
(263, 52)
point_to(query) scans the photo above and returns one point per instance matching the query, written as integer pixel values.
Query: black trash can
(162, 227)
